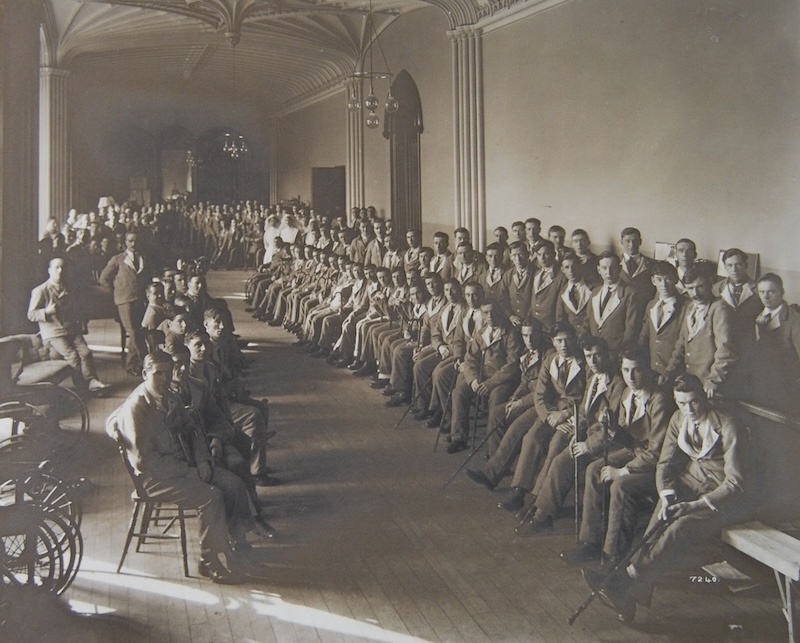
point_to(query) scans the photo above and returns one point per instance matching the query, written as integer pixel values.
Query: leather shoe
(320, 353)
(613, 592)
(515, 500)
(434, 421)
(583, 553)
(535, 527)
(355, 365)
(456, 446)
(420, 414)
(262, 529)
(364, 371)
(389, 391)
(263, 480)
(217, 573)
(379, 384)
(398, 399)
(481, 478)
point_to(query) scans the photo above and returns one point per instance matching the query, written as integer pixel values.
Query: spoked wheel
(59, 404)
(20, 416)
(42, 488)
(65, 536)
(28, 553)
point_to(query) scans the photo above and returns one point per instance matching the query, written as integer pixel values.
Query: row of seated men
(609, 335)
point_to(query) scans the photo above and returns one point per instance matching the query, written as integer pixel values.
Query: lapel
(574, 370)
(545, 281)
(584, 296)
(669, 312)
(641, 266)
(711, 436)
(613, 303)
(602, 387)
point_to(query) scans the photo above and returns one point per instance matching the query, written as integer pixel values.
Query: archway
(403, 129)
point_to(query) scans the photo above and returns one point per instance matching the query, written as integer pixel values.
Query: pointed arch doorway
(403, 129)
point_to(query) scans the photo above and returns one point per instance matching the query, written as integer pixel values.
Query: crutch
(414, 401)
(497, 427)
(654, 533)
(575, 459)
(604, 421)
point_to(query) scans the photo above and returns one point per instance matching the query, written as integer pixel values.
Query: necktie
(604, 299)
(659, 314)
(764, 320)
(737, 294)
(494, 274)
(573, 296)
(631, 265)
(696, 439)
(471, 323)
(592, 392)
(562, 373)
(632, 410)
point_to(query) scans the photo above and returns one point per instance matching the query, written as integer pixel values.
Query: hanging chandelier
(234, 146)
(371, 102)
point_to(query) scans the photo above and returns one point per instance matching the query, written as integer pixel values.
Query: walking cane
(654, 533)
(497, 427)
(414, 401)
(604, 420)
(478, 398)
(575, 481)
(445, 409)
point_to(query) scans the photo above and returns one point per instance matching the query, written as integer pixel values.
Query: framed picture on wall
(753, 265)
(665, 252)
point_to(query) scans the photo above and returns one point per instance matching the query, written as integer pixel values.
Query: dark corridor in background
(328, 190)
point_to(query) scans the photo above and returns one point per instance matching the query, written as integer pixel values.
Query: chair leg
(129, 536)
(145, 526)
(184, 552)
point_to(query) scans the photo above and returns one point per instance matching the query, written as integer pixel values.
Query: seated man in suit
(548, 282)
(637, 427)
(705, 346)
(702, 486)
(603, 391)
(773, 369)
(636, 266)
(573, 304)
(51, 306)
(490, 369)
(663, 317)
(165, 449)
(615, 312)
(685, 257)
(560, 385)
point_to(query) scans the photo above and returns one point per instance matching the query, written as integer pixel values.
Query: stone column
(54, 151)
(468, 120)
(19, 145)
(272, 143)
(356, 194)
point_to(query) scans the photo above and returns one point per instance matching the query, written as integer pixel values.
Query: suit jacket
(443, 265)
(743, 312)
(660, 342)
(374, 252)
(197, 395)
(59, 324)
(163, 442)
(530, 363)
(463, 337)
(576, 314)
(590, 274)
(544, 297)
(773, 364)
(495, 362)
(447, 335)
(495, 288)
(120, 279)
(519, 296)
(644, 436)
(717, 474)
(357, 249)
(640, 279)
(711, 354)
(551, 394)
(468, 272)
(604, 399)
(620, 322)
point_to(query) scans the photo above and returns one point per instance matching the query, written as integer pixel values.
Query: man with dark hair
(442, 262)
(519, 283)
(635, 266)
(468, 267)
(581, 244)
(637, 426)
(685, 257)
(411, 255)
(490, 369)
(533, 229)
(573, 303)
(663, 317)
(548, 282)
(705, 347)
(702, 486)
(603, 391)
(738, 291)
(560, 385)
(556, 235)
(491, 279)
(165, 449)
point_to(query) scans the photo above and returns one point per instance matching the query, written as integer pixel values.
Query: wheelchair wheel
(29, 556)
(42, 488)
(65, 537)
(59, 404)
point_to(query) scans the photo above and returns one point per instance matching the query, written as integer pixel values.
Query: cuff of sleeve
(709, 503)
(666, 493)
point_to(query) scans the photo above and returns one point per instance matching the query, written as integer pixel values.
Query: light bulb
(391, 104)
(353, 104)
(373, 121)
(371, 102)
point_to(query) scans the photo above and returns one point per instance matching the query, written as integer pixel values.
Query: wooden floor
(371, 548)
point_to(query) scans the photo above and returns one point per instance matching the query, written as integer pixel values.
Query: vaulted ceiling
(281, 51)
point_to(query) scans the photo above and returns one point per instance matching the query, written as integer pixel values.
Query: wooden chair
(158, 517)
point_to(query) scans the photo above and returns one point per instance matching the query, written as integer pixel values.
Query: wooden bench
(775, 549)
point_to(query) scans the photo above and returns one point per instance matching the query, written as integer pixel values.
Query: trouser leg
(507, 450)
